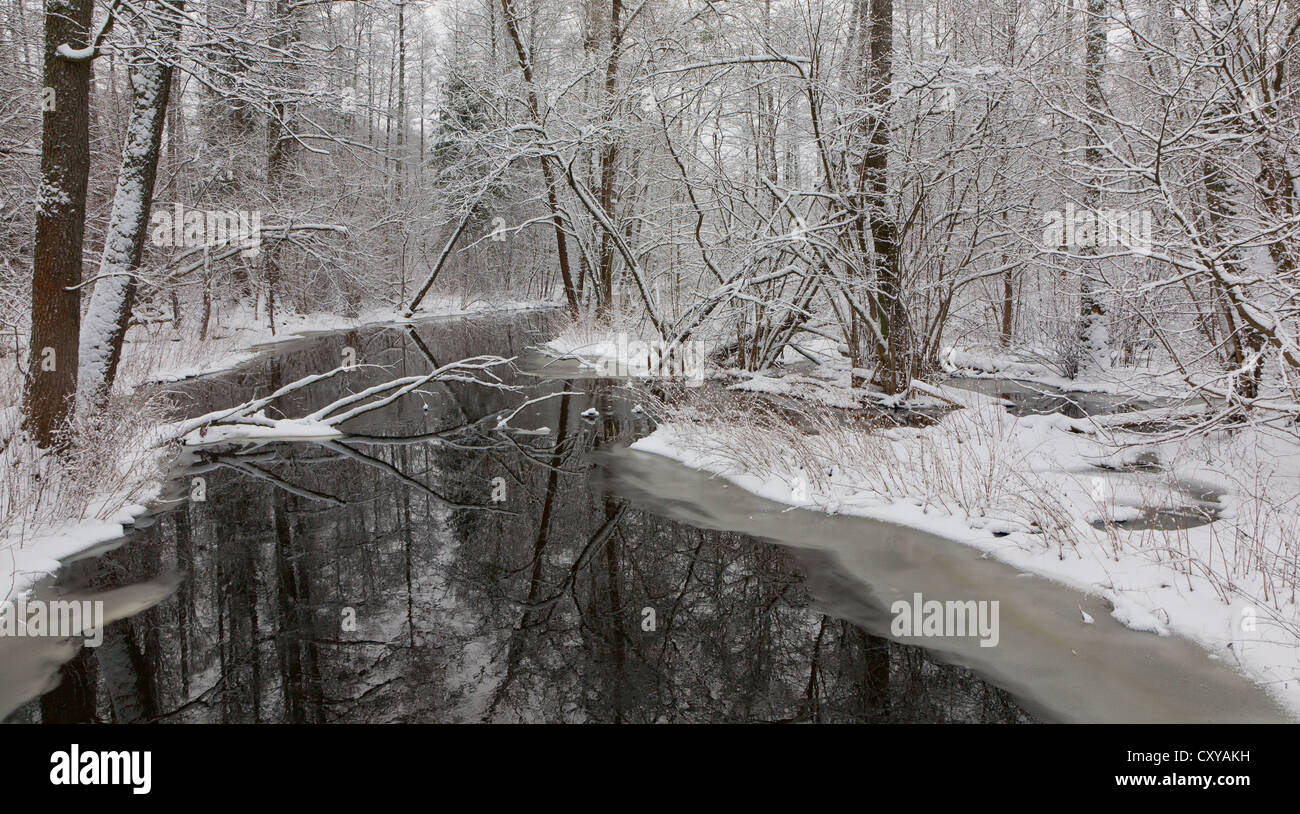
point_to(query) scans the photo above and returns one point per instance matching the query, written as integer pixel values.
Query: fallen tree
(249, 423)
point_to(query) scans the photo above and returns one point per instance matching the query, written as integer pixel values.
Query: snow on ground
(241, 336)
(830, 387)
(1159, 378)
(1025, 489)
(51, 517)
(61, 526)
(623, 351)
(41, 555)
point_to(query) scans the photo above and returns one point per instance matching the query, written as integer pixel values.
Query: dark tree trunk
(548, 172)
(73, 701)
(278, 144)
(1094, 344)
(878, 232)
(609, 160)
(60, 226)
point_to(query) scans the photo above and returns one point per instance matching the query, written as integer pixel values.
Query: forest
(1021, 274)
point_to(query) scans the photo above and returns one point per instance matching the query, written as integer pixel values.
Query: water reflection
(431, 566)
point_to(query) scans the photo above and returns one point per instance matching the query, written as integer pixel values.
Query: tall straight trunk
(177, 136)
(401, 97)
(60, 226)
(278, 146)
(1008, 305)
(1008, 276)
(875, 674)
(126, 675)
(609, 159)
(1094, 342)
(589, 158)
(893, 363)
(110, 306)
(548, 173)
(419, 163)
(228, 121)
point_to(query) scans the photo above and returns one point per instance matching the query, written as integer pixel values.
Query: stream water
(432, 567)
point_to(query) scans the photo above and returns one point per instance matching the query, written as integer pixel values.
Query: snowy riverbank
(54, 514)
(1195, 537)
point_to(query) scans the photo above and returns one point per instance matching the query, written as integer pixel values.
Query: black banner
(331, 764)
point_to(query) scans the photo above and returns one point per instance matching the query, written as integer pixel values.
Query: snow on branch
(66, 51)
(248, 422)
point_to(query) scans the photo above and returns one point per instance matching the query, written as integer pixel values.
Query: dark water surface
(391, 577)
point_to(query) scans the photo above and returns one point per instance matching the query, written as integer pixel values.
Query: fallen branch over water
(248, 422)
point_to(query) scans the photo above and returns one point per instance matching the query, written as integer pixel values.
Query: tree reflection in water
(531, 608)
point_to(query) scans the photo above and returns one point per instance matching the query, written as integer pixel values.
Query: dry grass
(111, 462)
(972, 470)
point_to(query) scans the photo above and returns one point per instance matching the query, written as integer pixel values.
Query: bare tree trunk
(1094, 342)
(401, 97)
(609, 160)
(74, 700)
(278, 147)
(1008, 305)
(548, 174)
(110, 305)
(60, 226)
(893, 369)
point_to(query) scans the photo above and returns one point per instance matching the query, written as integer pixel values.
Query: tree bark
(278, 144)
(110, 306)
(1094, 342)
(609, 160)
(60, 226)
(893, 368)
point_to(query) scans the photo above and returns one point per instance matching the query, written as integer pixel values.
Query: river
(433, 567)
